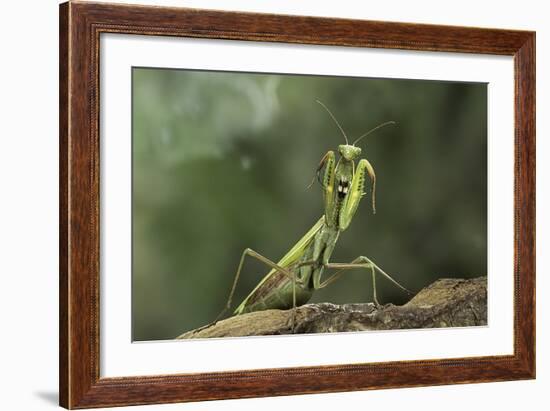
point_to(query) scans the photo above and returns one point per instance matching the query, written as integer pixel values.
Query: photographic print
(258, 189)
(269, 204)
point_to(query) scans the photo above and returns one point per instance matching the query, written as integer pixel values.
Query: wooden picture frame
(80, 27)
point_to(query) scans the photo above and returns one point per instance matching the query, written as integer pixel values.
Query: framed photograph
(258, 205)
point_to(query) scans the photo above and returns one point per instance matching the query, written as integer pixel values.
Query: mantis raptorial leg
(359, 262)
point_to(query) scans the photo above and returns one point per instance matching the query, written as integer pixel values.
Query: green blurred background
(221, 162)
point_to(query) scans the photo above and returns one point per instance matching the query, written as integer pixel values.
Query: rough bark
(445, 303)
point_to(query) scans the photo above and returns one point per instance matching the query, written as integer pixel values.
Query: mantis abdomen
(276, 293)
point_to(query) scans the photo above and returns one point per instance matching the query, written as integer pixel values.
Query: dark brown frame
(80, 27)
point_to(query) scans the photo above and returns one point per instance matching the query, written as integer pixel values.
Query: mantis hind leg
(360, 262)
(284, 270)
(251, 253)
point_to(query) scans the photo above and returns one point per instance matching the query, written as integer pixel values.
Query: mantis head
(349, 152)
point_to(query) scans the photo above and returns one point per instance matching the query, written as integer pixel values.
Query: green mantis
(295, 277)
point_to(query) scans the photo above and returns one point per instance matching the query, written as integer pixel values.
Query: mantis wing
(291, 257)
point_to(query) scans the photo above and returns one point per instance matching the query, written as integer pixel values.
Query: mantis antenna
(334, 118)
(374, 129)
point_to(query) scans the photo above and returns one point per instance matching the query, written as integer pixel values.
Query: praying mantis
(292, 280)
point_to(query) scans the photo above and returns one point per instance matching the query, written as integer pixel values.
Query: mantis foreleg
(356, 192)
(327, 160)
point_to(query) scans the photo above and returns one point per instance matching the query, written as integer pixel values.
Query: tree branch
(445, 303)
